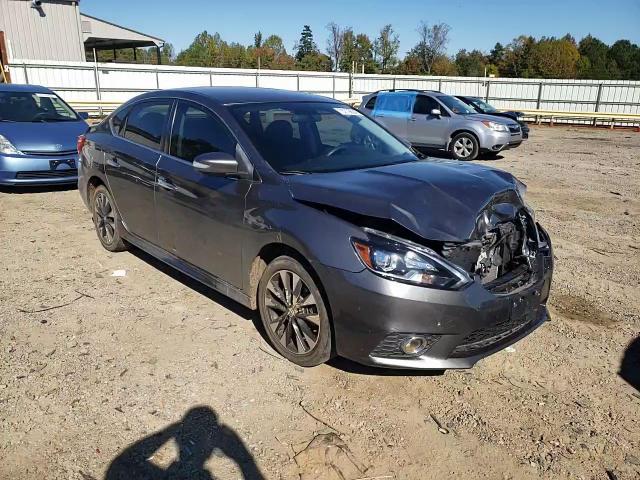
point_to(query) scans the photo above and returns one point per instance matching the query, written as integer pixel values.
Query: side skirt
(192, 271)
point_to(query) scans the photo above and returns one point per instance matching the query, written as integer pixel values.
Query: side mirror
(216, 163)
(436, 112)
(84, 115)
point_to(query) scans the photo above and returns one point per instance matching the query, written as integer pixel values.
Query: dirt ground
(151, 366)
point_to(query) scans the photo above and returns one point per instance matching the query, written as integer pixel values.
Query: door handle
(113, 161)
(413, 119)
(379, 115)
(166, 184)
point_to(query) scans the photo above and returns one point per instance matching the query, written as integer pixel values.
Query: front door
(200, 216)
(425, 129)
(130, 165)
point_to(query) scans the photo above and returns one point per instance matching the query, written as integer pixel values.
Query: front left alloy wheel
(294, 314)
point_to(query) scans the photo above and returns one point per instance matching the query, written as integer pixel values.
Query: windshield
(455, 105)
(34, 107)
(483, 106)
(300, 137)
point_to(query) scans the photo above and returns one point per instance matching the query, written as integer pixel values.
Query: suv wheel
(294, 314)
(106, 220)
(464, 146)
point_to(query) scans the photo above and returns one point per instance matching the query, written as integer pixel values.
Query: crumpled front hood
(43, 136)
(436, 199)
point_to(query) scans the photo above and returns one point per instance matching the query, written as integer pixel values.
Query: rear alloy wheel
(293, 313)
(106, 220)
(464, 146)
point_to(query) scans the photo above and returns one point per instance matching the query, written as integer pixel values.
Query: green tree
(594, 61)
(306, 45)
(386, 49)
(365, 54)
(471, 64)
(626, 59)
(555, 58)
(315, 61)
(516, 59)
(349, 50)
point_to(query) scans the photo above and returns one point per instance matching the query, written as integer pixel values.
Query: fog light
(414, 345)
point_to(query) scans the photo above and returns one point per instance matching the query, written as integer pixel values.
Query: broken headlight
(405, 261)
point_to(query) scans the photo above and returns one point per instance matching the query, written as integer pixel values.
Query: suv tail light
(81, 141)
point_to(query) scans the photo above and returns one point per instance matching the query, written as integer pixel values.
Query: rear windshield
(34, 107)
(456, 105)
(300, 137)
(483, 106)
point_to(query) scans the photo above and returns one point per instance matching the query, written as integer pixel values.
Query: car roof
(12, 87)
(242, 95)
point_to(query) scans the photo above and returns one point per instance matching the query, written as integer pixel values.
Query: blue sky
(474, 23)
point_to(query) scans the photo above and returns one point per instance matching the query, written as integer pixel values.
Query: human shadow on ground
(198, 436)
(630, 365)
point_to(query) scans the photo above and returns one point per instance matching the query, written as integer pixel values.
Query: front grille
(487, 337)
(61, 153)
(514, 129)
(72, 172)
(390, 346)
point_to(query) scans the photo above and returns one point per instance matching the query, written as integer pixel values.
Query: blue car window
(395, 104)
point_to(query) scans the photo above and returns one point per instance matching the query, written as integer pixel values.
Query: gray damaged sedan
(308, 211)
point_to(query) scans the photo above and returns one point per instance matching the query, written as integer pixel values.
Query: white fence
(77, 81)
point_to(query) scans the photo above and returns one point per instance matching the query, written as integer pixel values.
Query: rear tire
(293, 313)
(464, 146)
(106, 220)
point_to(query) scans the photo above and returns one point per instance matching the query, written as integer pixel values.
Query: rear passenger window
(196, 131)
(117, 121)
(146, 122)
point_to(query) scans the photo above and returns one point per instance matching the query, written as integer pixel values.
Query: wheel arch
(463, 130)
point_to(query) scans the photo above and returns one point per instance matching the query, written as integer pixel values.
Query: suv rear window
(371, 104)
(146, 122)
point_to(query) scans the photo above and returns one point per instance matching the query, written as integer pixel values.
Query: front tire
(294, 314)
(464, 146)
(106, 220)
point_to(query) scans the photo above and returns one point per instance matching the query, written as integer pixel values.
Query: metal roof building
(56, 30)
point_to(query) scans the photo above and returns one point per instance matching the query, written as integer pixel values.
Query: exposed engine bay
(506, 245)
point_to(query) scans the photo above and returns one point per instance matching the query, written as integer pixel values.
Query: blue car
(38, 137)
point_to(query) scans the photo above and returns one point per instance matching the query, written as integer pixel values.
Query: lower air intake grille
(487, 337)
(43, 174)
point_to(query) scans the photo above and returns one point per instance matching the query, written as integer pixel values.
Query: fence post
(598, 98)
(298, 82)
(333, 77)
(96, 76)
(351, 84)
(394, 83)
(486, 96)
(257, 78)
(26, 74)
(440, 85)
(210, 78)
(539, 102)
(157, 79)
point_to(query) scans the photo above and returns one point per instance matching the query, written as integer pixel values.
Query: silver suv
(434, 120)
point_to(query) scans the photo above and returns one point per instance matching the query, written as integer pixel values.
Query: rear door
(200, 216)
(130, 165)
(425, 129)
(393, 109)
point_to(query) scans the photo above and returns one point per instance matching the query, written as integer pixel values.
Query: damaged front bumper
(374, 315)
